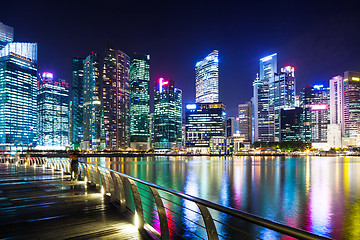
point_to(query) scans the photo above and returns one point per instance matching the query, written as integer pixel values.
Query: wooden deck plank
(42, 204)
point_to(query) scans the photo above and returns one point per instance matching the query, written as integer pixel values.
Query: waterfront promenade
(39, 203)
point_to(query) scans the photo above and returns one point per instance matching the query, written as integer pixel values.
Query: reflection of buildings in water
(191, 187)
(352, 222)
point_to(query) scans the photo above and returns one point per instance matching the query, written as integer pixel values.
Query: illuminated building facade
(116, 99)
(53, 112)
(245, 122)
(92, 110)
(6, 35)
(336, 111)
(352, 104)
(139, 101)
(167, 118)
(273, 91)
(207, 78)
(314, 119)
(263, 118)
(76, 103)
(18, 117)
(282, 95)
(202, 122)
(290, 124)
(231, 126)
(221, 145)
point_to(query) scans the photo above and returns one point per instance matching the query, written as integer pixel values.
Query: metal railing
(156, 208)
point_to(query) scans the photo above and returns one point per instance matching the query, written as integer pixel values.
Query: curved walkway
(37, 203)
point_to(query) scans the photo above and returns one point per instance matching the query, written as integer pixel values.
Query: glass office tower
(245, 121)
(139, 101)
(116, 99)
(282, 95)
(167, 116)
(53, 112)
(263, 115)
(203, 121)
(92, 118)
(352, 104)
(207, 78)
(273, 91)
(76, 104)
(18, 80)
(315, 115)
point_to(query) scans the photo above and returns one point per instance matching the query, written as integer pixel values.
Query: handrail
(118, 179)
(278, 227)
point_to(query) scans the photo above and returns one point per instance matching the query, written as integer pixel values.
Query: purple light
(319, 107)
(47, 75)
(162, 83)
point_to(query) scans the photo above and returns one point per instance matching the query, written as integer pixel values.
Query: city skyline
(312, 39)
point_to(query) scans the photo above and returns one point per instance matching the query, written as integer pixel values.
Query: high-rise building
(202, 122)
(314, 119)
(18, 81)
(282, 95)
(76, 103)
(53, 112)
(336, 111)
(6, 35)
(290, 124)
(337, 100)
(139, 101)
(207, 78)
(268, 66)
(245, 122)
(273, 91)
(92, 107)
(263, 126)
(116, 99)
(352, 104)
(232, 126)
(167, 116)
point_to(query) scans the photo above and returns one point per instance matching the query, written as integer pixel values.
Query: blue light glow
(318, 87)
(190, 106)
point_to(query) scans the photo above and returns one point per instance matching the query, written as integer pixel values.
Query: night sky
(320, 39)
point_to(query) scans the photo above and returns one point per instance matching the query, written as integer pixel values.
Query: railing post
(164, 228)
(119, 189)
(209, 222)
(103, 180)
(138, 205)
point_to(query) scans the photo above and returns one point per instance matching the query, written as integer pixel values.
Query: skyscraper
(245, 122)
(53, 112)
(139, 101)
(268, 66)
(167, 116)
(92, 108)
(202, 122)
(6, 35)
(352, 104)
(273, 91)
(76, 104)
(116, 99)
(290, 124)
(18, 80)
(207, 78)
(337, 101)
(314, 118)
(282, 95)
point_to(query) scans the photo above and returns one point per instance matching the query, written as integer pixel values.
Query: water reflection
(318, 194)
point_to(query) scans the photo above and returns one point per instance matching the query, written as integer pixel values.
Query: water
(317, 194)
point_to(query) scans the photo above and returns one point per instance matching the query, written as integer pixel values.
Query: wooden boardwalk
(37, 203)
